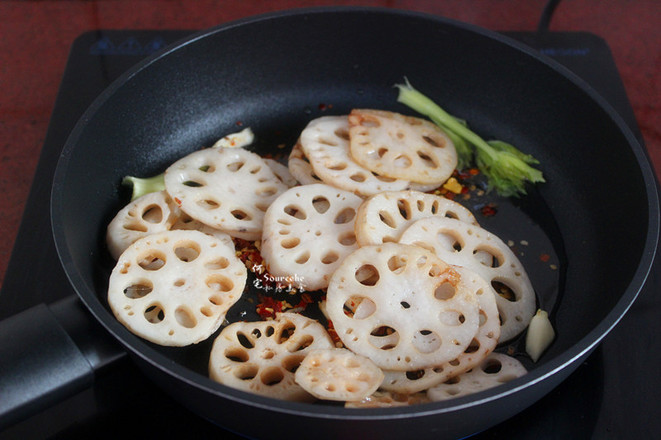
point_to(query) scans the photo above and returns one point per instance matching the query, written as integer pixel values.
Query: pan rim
(139, 348)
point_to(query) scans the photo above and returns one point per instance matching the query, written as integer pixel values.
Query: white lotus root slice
(187, 223)
(174, 288)
(484, 342)
(307, 232)
(338, 374)
(479, 250)
(402, 307)
(482, 345)
(300, 168)
(282, 172)
(387, 399)
(401, 147)
(325, 143)
(384, 217)
(261, 357)
(495, 370)
(151, 213)
(226, 188)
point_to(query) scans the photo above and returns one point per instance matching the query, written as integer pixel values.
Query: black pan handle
(49, 353)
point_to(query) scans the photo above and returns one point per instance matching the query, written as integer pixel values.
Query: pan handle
(49, 353)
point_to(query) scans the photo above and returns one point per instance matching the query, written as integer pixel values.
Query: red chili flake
(545, 257)
(333, 334)
(268, 307)
(239, 123)
(489, 210)
(465, 190)
(474, 171)
(177, 201)
(322, 107)
(449, 195)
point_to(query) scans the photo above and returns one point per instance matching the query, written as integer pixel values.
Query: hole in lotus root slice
(303, 257)
(237, 354)
(266, 191)
(451, 318)
(153, 260)
(445, 291)
(426, 341)
(292, 361)
(402, 161)
(193, 183)
(244, 340)
(359, 307)
(241, 214)
(290, 242)
(139, 289)
(208, 204)
(235, 166)
(185, 317)
(347, 239)
(426, 159)
(295, 211)
(154, 314)
(449, 241)
(488, 257)
(271, 376)
(216, 300)
(397, 263)
(187, 251)
(320, 204)
(152, 214)
(384, 338)
(358, 177)
(217, 264)
(330, 257)
(345, 216)
(367, 275)
(219, 283)
(505, 291)
(246, 372)
(387, 219)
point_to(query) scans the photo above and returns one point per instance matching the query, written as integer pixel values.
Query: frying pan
(597, 215)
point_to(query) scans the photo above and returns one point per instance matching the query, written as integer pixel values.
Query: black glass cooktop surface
(613, 394)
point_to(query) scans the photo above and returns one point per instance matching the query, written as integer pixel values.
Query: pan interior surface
(275, 73)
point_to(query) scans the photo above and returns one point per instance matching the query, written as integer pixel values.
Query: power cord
(547, 14)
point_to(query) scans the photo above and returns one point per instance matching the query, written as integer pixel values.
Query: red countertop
(35, 37)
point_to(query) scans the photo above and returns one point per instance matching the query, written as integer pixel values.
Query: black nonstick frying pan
(597, 215)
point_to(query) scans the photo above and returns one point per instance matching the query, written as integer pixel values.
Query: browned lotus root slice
(495, 370)
(226, 188)
(308, 230)
(401, 147)
(477, 249)
(481, 346)
(300, 168)
(175, 287)
(325, 142)
(402, 307)
(338, 374)
(387, 399)
(151, 213)
(384, 217)
(261, 357)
